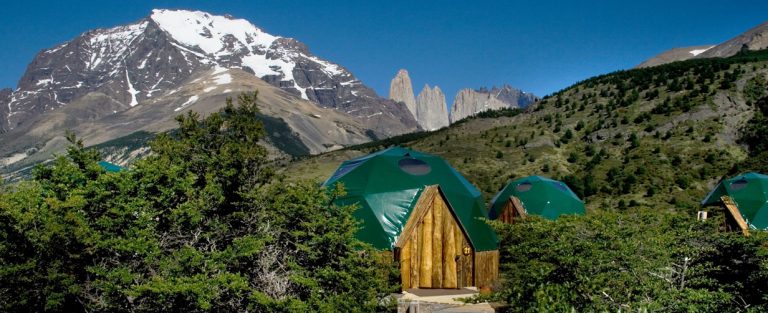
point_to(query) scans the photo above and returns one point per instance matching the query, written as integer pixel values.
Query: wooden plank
(519, 211)
(438, 209)
(415, 257)
(405, 265)
(459, 240)
(470, 260)
(425, 272)
(449, 252)
(419, 210)
(506, 213)
(465, 267)
(486, 267)
(736, 214)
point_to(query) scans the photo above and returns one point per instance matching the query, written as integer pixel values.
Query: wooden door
(432, 249)
(512, 211)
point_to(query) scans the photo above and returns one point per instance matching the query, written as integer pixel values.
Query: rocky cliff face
(511, 96)
(401, 90)
(134, 63)
(5, 97)
(431, 109)
(469, 102)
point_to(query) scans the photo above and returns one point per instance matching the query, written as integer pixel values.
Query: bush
(202, 224)
(633, 261)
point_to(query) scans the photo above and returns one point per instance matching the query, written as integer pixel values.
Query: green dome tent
(408, 199)
(749, 193)
(110, 167)
(537, 195)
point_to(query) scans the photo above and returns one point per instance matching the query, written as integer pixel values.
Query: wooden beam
(405, 266)
(415, 260)
(425, 272)
(449, 253)
(438, 210)
(518, 206)
(736, 214)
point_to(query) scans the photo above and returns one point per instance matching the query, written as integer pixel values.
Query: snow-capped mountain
(134, 63)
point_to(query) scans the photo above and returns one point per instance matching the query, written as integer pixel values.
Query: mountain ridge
(629, 138)
(753, 39)
(106, 71)
(125, 61)
(432, 112)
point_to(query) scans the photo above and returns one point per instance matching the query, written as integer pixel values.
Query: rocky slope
(751, 40)
(469, 102)
(511, 96)
(674, 55)
(131, 64)
(114, 75)
(431, 109)
(294, 126)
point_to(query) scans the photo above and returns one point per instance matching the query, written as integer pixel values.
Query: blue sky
(538, 46)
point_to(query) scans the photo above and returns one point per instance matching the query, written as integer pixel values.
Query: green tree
(202, 224)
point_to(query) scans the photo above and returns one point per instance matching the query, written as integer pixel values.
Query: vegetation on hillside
(202, 224)
(642, 147)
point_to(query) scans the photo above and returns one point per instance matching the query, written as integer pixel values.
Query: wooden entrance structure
(733, 219)
(513, 211)
(434, 250)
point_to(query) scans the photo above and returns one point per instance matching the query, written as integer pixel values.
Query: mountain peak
(401, 90)
(210, 32)
(136, 63)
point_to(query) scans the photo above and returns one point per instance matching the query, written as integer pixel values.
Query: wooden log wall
(434, 251)
(432, 247)
(486, 268)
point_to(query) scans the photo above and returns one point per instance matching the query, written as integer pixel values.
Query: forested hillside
(657, 137)
(642, 147)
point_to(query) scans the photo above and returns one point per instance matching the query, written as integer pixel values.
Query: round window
(524, 186)
(414, 166)
(739, 184)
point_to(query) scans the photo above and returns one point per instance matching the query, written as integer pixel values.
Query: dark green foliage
(632, 261)
(202, 224)
(755, 132)
(634, 142)
(573, 157)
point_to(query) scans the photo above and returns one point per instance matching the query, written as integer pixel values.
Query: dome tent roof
(387, 185)
(541, 196)
(750, 193)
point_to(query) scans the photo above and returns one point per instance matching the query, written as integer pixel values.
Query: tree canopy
(202, 224)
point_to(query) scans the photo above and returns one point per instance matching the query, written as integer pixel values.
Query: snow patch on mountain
(223, 79)
(700, 51)
(191, 100)
(110, 45)
(132, 91)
